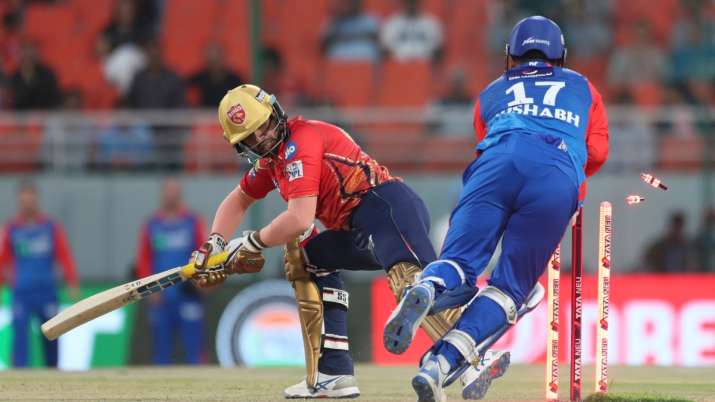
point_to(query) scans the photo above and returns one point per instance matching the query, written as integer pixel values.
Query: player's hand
(205, 275)
(244, 254)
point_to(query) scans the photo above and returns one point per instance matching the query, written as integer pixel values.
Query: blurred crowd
(134, 54)
(675, 251)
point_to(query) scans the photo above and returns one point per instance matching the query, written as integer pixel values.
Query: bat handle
(188, 270)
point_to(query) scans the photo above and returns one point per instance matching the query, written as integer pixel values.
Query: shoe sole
(423, 389)
(404, 321)
(479, 387)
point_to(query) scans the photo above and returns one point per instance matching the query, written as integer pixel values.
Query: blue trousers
(25, 306)
(518, 191)
(169, 318)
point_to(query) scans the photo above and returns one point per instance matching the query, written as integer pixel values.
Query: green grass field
(521, 383)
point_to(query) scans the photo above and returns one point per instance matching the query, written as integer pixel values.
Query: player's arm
(596, 134)
(480, 127)
(230, 213)
(5, 252)
(291, 223)
(144, 254)
(63, 254)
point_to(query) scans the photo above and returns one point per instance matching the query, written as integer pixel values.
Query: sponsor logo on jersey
(236, 114)
(290, 150)
(534, 41)
(294, 170)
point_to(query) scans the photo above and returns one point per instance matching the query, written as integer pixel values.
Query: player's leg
(475, 227)
(543, 210)
(49, 309)
(191, 323)
(160, 321)
(335, 367)
(21, 313)
(396, 222)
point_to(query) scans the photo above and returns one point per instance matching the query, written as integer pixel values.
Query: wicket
(553, 279)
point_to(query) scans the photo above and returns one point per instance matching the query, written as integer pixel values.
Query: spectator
(215, 79)
(10, 39)
(158, 87)
(672, 252)
(452, 112)
(33, 85)
(693, 55)
(705, 243)
(281, 83)
(412, 34)
(351, 35)
(32, 243)
(119, 46)
(637, 63)
(502, 16)
(126, 146)
(589, 33)
(166, 240)
(125, 28)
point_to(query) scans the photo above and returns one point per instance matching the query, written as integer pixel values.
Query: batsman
(373, 221)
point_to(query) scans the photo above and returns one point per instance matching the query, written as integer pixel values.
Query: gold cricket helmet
(243, 110)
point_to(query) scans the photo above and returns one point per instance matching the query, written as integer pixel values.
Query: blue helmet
(537, 33)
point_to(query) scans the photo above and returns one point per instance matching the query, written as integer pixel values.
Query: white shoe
(428, 381)
(476, 381)
(327, 386)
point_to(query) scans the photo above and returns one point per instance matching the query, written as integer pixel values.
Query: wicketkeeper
(542, 129)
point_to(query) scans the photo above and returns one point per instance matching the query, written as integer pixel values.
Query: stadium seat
(45, 23)
(184, 48)
(233, 27)
(93, 16)
(404, 84)
(348, 83)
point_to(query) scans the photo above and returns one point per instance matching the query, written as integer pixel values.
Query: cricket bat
(111, 299)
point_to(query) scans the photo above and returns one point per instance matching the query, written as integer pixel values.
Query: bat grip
(188, 270)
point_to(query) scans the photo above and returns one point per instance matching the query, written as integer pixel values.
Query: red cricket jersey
(318, 159)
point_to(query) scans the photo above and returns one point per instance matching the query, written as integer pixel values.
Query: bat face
(109, 300)
(116, 297)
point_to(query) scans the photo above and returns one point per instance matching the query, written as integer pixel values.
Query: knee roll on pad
(503, 300)
(464, 344)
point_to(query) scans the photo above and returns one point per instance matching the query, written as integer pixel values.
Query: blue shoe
(406, 318)
(428, 381)
(476, 382)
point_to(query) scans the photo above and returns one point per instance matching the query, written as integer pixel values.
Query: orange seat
(233, 33)
(348, 83)
(188, 27)
(404, 84)
(44, 23)
(93, 16)
(681, 152)
(647, 94)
